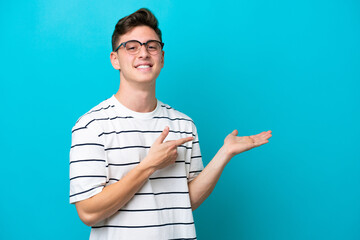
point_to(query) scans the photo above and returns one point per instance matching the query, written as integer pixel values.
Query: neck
(137, 97)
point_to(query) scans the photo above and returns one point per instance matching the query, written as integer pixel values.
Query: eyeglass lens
(133, 47)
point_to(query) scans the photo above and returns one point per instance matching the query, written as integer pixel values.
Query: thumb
(163, 135)
(235, 132)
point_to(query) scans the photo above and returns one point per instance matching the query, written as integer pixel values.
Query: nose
(143, 52)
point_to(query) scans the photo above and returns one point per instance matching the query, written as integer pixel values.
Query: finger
(163, 135)
(258, 136)
(261, 143)
(262, 136)
(235, 132)
(268, 134)
(183, 140)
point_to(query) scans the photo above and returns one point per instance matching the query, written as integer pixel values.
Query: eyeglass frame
(141, 44)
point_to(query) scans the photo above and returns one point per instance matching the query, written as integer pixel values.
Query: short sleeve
(88, 171)
(196, 164)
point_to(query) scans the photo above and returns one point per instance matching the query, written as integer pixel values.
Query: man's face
(129, 64)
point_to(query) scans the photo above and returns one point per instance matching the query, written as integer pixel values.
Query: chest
(128, 141)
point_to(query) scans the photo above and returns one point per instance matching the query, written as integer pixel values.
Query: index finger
(183, 140)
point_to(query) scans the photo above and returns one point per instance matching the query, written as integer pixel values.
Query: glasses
(133, 46)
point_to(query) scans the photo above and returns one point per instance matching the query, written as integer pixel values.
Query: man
(136, 170)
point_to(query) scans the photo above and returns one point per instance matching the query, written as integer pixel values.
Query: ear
(114, 60)
(162, 59)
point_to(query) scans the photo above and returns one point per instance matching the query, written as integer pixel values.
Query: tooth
(143, 66)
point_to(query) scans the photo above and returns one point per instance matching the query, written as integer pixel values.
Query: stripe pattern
(108, 142)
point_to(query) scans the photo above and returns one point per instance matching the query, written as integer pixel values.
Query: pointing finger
(163, 135)
(183, 140)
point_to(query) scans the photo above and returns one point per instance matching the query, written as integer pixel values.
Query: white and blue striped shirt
(109, 141)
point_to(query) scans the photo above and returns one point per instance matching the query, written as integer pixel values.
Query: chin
(148, 79)
(139, 78)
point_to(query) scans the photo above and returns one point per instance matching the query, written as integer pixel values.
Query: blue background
(289, 66)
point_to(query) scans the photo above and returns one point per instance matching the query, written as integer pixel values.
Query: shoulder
(177, 116)
(174, 113)
(100, 111)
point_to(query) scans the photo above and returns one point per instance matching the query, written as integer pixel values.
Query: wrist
(146, 167)
(225, 154)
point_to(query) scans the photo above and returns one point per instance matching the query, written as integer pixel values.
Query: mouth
(144, 66)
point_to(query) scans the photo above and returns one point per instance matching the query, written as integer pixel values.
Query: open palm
(236, 145)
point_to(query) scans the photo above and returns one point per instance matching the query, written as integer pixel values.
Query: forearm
(202, 186)
(113, 197)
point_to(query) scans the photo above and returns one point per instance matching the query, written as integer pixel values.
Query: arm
(115, 196)
(202, 186)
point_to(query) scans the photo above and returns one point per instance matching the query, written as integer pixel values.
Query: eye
(132, 46)
(153, 46)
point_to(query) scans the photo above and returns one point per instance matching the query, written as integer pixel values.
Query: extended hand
(235, 145)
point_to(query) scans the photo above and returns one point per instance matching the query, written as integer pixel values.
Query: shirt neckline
(128, 112)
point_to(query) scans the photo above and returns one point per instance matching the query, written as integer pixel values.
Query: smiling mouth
(143, 66)
(146, 67)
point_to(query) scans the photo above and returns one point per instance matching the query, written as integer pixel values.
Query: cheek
(126, 63)
(160, 61)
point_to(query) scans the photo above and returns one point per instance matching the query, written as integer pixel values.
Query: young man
(136, 170)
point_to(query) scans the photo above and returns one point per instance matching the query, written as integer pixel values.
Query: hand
(163, 154)
(235, 145)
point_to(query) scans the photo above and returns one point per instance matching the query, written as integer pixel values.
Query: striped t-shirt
(109, 141)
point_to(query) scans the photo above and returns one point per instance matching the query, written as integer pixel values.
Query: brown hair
(142, 17)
